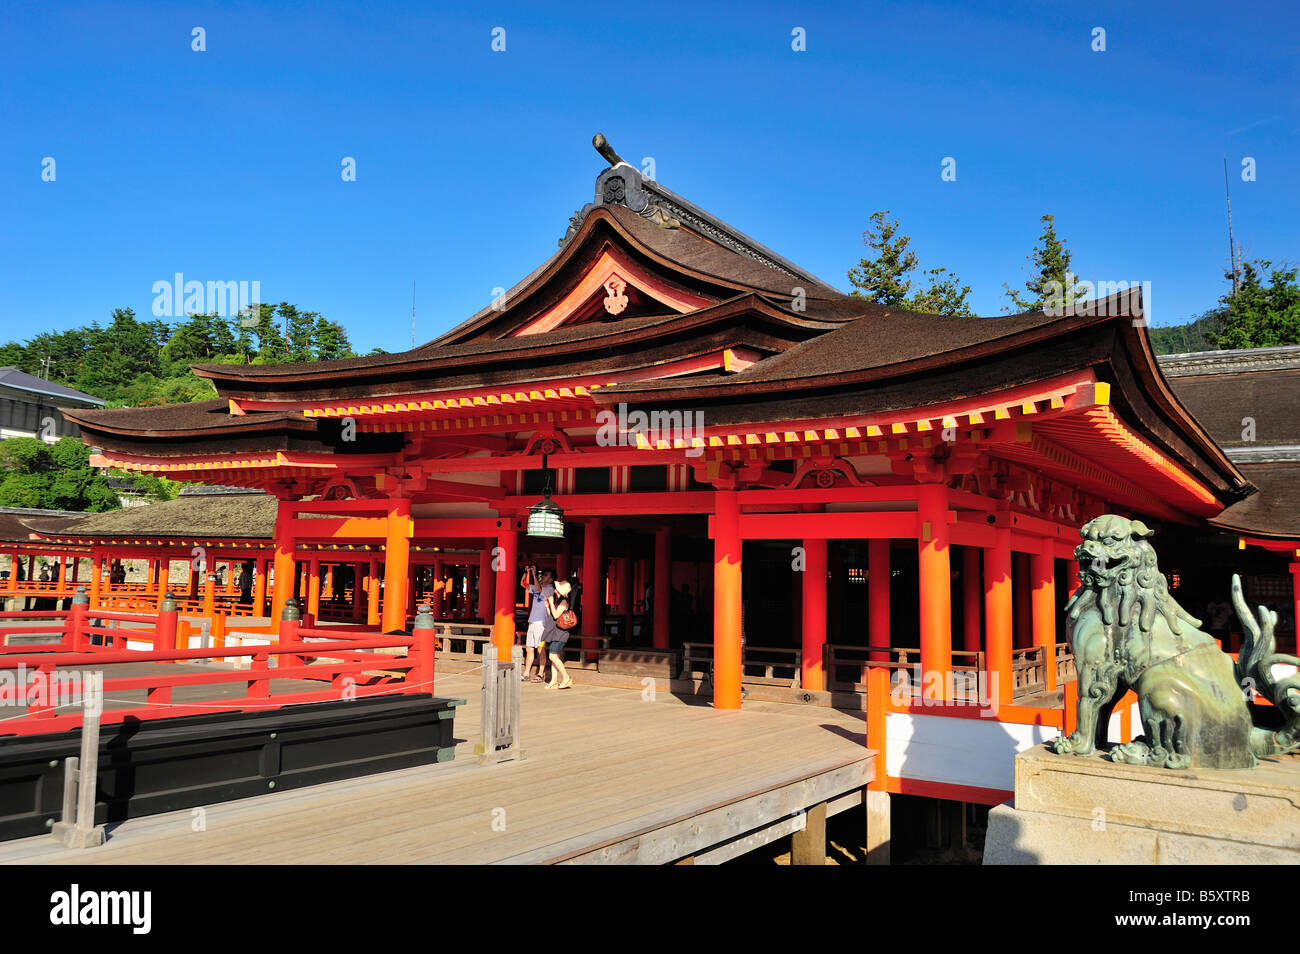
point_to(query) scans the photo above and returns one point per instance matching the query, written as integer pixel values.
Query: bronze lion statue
(1126, 631)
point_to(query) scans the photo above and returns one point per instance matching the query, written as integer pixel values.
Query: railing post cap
(168, 603)
(424, 617)
(291, 611)
(80, 598)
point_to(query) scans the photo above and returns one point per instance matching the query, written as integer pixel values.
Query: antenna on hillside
(412, 312)
(1232, 246)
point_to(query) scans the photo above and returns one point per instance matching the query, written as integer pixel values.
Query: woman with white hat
(556, 634)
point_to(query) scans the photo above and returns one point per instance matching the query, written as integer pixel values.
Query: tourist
(555, 637)
(540, 588)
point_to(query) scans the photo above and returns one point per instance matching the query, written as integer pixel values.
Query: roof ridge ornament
(605, 149)
(623, 184)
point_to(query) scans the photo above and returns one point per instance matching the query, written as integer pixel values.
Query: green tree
(884, 279)
(1261, 315)
(330, 340)
(1051, 284)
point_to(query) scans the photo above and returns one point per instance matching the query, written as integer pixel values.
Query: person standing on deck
(555, 638)
(540, 589)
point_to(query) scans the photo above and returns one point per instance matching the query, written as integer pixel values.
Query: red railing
(352, 664)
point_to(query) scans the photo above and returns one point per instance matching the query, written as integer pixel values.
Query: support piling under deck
(609, 777)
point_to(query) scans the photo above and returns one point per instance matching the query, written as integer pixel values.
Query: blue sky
(225, 164)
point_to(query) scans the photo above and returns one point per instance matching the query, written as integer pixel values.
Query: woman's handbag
(567, 620)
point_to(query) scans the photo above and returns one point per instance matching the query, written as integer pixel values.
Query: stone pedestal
(1071, 810)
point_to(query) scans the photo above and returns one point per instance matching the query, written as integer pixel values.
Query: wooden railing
(846, 667)
(759, 665)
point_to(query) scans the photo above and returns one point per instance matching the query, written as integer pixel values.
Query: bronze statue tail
(1254, 670)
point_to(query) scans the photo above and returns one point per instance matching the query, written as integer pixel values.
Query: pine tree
(884, 279)
(1051, 284)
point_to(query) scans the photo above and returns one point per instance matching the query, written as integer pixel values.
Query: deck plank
(601, 763)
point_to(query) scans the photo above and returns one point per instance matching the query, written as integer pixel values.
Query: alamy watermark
(622, 427)
(178, 298)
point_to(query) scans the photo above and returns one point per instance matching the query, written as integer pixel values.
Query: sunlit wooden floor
(601, 763)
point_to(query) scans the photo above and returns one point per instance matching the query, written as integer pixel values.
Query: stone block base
(1070, 810)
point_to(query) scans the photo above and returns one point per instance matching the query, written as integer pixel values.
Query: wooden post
(878, 575)
(77, 829)
(997, 616)
(808, 844)
(1044, 609)
(425, 634)
(165, 629)
(970, 599)
(507, 582)
(282, 585)
(727, 601)
(210, 595)
(486, 597)
(935, 587)
(663, 586)
(75, 634)
(397, 555)
(814, 627)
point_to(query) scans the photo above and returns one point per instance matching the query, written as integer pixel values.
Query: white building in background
(29, 406)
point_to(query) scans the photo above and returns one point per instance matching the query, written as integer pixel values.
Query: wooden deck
(608, 777)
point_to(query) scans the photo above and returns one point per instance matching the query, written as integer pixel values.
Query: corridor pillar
(507, 581)
(727, 600)
(997, 616)
(878, 576)
(934, 562)
(397, 556)
(814, 615)
(1043, 572)
(662, 586)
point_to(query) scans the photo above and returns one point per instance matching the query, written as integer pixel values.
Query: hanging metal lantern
(545, 518)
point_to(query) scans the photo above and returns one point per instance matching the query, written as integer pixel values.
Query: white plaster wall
(975, 752)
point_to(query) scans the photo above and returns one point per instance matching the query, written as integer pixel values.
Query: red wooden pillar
(358, 591)
(96, 572)
(63, 573)
(623, 594)
(593, 578)
(997, 616)
(372, 592)
(564, 561)
(397, 556)
(1295, 600)
(1044, 608)
(663, 586)
(313, 589)
(282, 585)
(486, 600)
(878, 575)
(935, 587)
(507, 582)
(814, 614)
(436, 602)
(259, 586)
(727, 600)
(970, 599)
(1020, 595)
